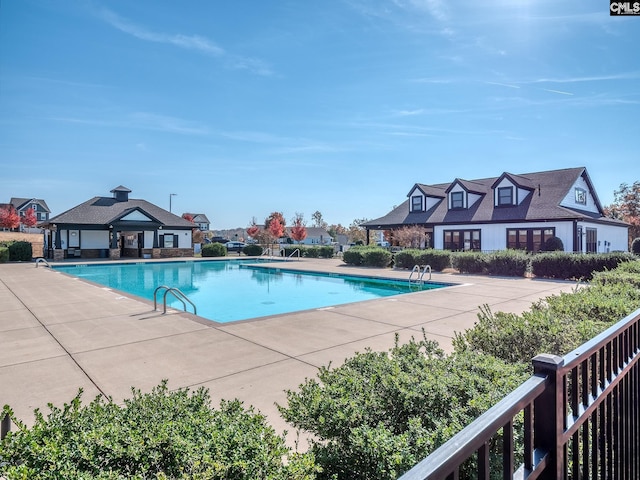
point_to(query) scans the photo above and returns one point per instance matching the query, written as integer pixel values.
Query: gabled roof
(548, 189)
(518, 180)
(19, 203)
(104, 211)
(437, 191)
(198, 217)
(471, 186)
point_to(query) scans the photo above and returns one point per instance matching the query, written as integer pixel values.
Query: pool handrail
(177, 293)
(42, 260)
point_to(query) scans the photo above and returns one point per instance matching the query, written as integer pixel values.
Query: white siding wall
(494, 236)
(570, 199)
(472, 198)
(184, 237)
(432, 201)
(94, 239)
(522, 194)
(616, 236)
(148, 239)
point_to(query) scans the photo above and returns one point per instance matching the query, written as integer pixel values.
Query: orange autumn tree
(29, 220)
(274, 224)
(9, 218)
(298, 230)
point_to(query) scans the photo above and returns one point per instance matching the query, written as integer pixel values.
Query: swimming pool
(232, 290)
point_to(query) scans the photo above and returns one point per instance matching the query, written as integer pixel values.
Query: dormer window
(581, 196)
(416, 203)
(457, 200)
(505, 196)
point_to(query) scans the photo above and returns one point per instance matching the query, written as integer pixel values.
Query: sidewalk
(59, 334)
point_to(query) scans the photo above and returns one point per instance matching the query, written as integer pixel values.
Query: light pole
(171, 195)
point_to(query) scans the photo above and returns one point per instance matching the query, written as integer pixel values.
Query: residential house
(201, 221)
(510, 211)
(116, 227)
(315, 236)
(38, 205)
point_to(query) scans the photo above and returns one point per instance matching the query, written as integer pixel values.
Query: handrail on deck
(42, 260)
(297, 250)
(581, 418)
(419, 274)
(177, 293)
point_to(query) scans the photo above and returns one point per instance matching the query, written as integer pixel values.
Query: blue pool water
(231, 290)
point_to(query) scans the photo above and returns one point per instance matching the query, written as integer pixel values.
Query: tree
(411, 236)
(626, 207)
(298, 230)
(356, 232)
(253, 228)
(275, 224)
(335, 230)
(9, 218)
(29, 220)
(318, 221)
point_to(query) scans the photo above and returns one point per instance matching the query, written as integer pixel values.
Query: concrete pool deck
(59, 334)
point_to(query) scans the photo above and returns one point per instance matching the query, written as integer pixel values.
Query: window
(167, 241)
(529, 239)
(462, 240)
(592, 240)
(457, 199)
(505, 196)
(416, 203)
(581, 196)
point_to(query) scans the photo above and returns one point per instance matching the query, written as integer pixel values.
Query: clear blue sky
(242, 108)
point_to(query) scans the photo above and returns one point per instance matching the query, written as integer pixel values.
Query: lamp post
(170, 196)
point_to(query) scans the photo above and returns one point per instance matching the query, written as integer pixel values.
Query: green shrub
(4, 254)
(553, 244)
(252, 250)
(469, 262)
(635, 246)
(406, 258)
(557, 324)
(161, 434)
(509, 263)
(376, 257)
(214, 250)
(437, 259)
(312, 252)
(327, 252)
(380, 413)
(354, 256)
(576, 265)
(20, 251)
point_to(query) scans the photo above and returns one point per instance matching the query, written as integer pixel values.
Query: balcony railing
(580, 413)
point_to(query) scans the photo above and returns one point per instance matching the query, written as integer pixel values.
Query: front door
(592, 240)
(140, 244)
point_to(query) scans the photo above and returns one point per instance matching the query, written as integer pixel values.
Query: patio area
(60, 334)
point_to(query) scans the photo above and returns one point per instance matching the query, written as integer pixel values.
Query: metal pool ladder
(42, 260)
(419, 279)
(177, 293)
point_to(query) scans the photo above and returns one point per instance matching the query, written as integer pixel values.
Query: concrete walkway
(59, 334)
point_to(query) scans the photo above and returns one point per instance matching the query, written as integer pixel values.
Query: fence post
(548, 414)
(5, 426)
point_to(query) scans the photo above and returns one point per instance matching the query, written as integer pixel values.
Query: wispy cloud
(557, 91)
(594, 78)
(502, 84)
(142, 120)
(195, 43)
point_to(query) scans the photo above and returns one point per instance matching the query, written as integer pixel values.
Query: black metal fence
(580, 416)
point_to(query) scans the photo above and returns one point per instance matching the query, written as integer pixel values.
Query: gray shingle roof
(549, 188)
(105, 210)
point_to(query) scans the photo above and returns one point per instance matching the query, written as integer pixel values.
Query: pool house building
(118, 226)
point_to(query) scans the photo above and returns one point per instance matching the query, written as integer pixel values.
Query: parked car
(235, 246)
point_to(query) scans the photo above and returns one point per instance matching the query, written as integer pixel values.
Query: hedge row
(309, 252)
(561, 265)
(367, 256)
(18, 251)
